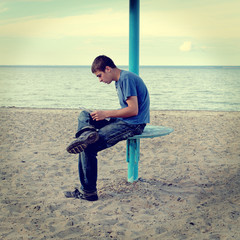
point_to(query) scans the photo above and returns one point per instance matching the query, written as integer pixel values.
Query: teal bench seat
(133, 148)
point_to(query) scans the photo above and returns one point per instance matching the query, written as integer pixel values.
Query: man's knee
(83, 114)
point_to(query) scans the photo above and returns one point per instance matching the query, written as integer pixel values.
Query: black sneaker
(82, 195)
(82, 142)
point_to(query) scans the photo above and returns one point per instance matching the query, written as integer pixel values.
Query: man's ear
(108, 69)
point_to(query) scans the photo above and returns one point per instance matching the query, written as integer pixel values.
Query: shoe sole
(80, 195)
(80, 145)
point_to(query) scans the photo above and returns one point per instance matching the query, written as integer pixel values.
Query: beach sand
(189, 186)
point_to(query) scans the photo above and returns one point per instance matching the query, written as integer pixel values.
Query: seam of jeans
(119, 135)
(124, 133)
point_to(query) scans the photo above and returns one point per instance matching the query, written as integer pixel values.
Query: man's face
(105, 77)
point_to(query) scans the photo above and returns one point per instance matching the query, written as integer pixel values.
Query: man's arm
(129, 111)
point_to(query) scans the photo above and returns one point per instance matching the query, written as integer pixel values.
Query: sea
(212, 88)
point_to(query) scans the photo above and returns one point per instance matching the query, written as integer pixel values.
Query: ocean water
(170, 88)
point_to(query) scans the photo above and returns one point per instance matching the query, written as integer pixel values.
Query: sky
(74, 32)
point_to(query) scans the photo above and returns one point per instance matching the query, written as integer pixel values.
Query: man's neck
(116, 74)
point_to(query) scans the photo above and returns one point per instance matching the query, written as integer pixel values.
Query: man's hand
(98, 115)
(129, 111)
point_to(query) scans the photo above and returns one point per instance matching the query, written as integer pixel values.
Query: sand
(189, 186)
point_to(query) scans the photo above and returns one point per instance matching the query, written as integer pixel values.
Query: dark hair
(100, 63)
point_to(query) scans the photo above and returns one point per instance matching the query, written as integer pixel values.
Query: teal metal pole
(134, 10)
(133, 155)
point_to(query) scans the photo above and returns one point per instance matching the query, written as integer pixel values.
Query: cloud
(22, 1)
(201, 21)
(203, 47)
(213, 20)
(186, 46)
(3, 10)
(104, 23)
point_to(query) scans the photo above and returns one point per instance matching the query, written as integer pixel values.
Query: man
(100, 129)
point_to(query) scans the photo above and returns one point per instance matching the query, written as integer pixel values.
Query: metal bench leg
(133, 153)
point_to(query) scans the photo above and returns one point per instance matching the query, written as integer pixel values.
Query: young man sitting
(101, 129)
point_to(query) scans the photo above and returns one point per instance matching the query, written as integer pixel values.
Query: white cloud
(203, 47)
(104, 23)
(186, 46)
(7, 1)
(210, 21)
(3, 10)
(206, 21)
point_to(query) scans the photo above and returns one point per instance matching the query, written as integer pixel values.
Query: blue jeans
(110, 132)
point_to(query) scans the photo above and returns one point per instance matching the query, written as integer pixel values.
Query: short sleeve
(129, 88)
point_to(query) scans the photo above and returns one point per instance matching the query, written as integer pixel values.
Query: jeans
(110, 132)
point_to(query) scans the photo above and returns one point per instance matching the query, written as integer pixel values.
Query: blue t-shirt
(130, 84)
